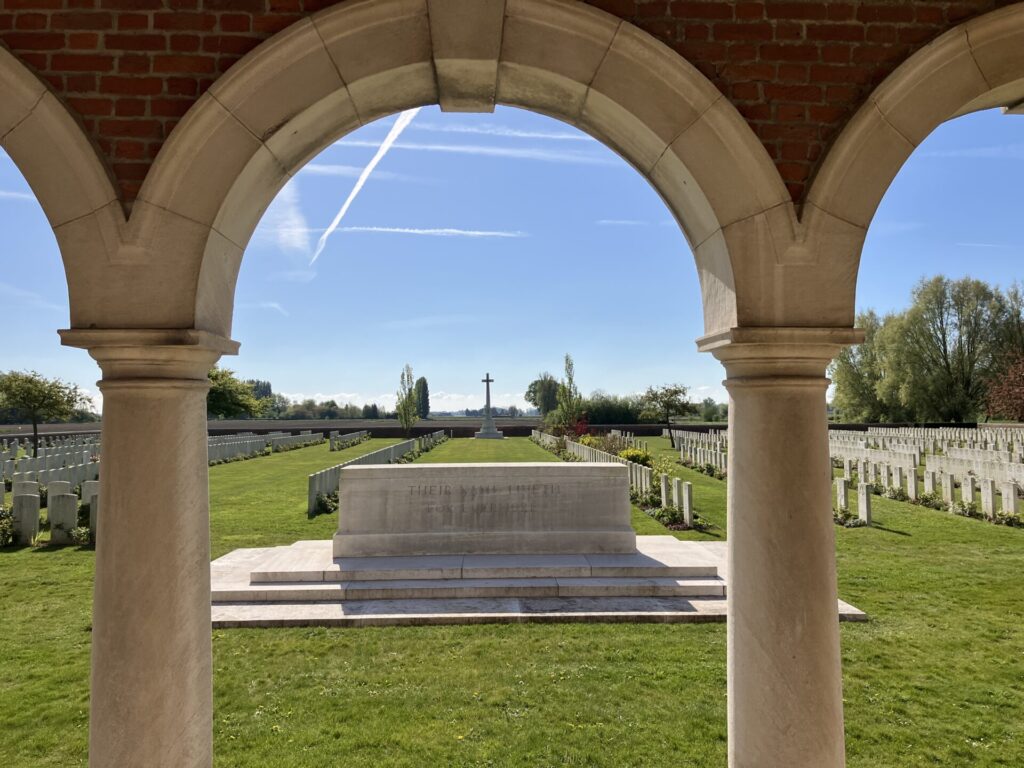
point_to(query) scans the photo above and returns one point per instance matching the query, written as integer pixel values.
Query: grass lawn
(935, 679)
(467, 451)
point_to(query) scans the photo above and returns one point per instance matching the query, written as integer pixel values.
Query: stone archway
(359, 61)
(977, 65)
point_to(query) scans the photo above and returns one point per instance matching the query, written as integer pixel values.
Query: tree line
(955, 354)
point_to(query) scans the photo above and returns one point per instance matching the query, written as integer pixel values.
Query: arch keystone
(466, 42)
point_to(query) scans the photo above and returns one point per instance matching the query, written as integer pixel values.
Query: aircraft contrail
(396, 130)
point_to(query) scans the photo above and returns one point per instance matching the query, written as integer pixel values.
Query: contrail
(396, 130)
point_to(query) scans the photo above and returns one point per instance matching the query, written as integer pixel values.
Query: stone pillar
(151, 698)
(785, 705)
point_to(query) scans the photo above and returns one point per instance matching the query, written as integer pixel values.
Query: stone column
(785, 707)
(151, 699)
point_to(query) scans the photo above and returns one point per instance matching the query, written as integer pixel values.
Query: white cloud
(284, 222)
(352, 172)
(439, 232)
(294, 276)
(543, 155)
(272, 305)
(30, 298)
(8, 195)
(503, 131)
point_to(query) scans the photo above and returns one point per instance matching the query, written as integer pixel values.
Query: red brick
(176, 64)
(34, 41)
(185, 43)
(711, 9)
(133, 64)
(191, 22)
(229, 44)
(130, 107)
(163, 107)
(903, 12)
(132, 21)
(82, 62)
(137, 129)
(235, 22)
(790, 113)
(83, 41)
(81, 20)
(791, 10)
(748, 31)
(129, 149)
(777, 92)
(30, 21)
(795, 52)
(750, 10)
(132, 86)
(80, 83)
(847, 32)
(182, 86)
(135, 42)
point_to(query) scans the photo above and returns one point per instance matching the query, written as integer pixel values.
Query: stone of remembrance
(521, 508)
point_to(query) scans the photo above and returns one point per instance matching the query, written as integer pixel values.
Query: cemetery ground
(935, 678)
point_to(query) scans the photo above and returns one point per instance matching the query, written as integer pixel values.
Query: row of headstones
(908, 457)
(1001, 472)
(327, 481)
(55, 459)
(629, 438)
(699, 455)
(61, 509)
(339, 442)
(971, 489)
(682, 496)
(74, 474)
(306, 437)
(1000, 438)
(717, 439)
(640, 477)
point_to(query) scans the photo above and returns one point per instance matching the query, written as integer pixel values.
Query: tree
(422, 398)
(514, 412)
(260, 388)
(230, 397)
(710, 410)
(940, 353)
(38, 399)
(1006, 393)
(543, 393)
(857, 373)
(405, 401)
(570, 403)
(668, 401)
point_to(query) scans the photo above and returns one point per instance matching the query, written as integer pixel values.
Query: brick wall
(796, 70)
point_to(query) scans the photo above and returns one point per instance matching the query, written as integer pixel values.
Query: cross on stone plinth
(487, 380)
(487, 429)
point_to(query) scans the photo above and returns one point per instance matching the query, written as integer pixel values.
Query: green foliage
(602, 408)
(936, 360)
(709, 410)
(6, 527)
(325, 504)
(847, 519)
(543, 393)
(636, 455)
(569, 412)
(932, 500)
(896, 494)
(422, 398)
(965, 509)
(1005, 398)
(230, 397)
(667, 401)
(405, 401)
(81, 536)
(38, 399)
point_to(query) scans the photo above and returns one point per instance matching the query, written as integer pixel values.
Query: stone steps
(377, 613)
(471, 588)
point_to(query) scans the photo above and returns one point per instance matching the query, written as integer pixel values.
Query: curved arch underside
(174, 263)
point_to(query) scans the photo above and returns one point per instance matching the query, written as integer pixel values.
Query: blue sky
(500, 242)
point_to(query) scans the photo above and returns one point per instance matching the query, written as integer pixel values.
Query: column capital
(148, 354)
(778, 352)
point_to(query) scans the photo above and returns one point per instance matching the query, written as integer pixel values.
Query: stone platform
(665, 580)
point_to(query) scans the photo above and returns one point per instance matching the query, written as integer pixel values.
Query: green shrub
(896, 494)
(81, 536)
(645, 500)
(965, 509)
(637, 456)
(325, 504)
(6, 527)
(932, 501)
(847, 519)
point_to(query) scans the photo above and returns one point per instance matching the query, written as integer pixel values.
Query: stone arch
(977, 65)
(67, 176)
(364, 59)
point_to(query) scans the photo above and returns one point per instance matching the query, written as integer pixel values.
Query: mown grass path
(935, 679)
